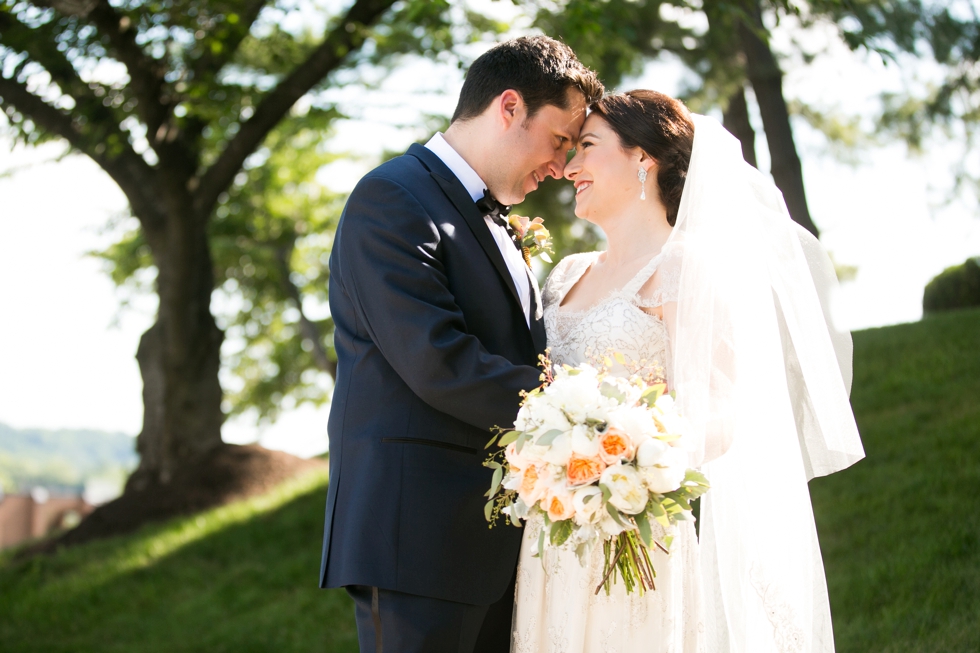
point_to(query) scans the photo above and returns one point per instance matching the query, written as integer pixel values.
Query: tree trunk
(736, 121)
(767, 82)
(179, 356)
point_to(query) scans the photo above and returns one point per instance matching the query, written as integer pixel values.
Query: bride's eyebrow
(586, 135)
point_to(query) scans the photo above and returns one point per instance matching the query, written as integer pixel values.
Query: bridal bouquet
(599, 458)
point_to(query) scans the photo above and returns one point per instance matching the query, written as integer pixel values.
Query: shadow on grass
(228, 584)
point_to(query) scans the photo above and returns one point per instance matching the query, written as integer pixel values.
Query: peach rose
(615, 445)
(532, 486)
(559, 506)
(582, 471)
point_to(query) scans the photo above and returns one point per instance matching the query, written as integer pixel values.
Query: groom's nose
(556, 167)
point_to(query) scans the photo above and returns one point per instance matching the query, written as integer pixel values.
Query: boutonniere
(532, 237)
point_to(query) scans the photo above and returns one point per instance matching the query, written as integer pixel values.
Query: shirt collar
(471, 181)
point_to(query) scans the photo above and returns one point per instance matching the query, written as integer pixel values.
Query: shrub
(955, 287)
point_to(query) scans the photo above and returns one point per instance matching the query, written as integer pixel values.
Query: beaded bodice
(616, 324)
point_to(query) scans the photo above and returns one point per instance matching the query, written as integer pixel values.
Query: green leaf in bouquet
(498, 476)
(616, 516)
(658, 512)
(619, 358)
(519, 442)
(668, 540)
(646, 533)
(606, 492)
(560, 531)
(611, 391)
(492, 440)
(540, 553)
(508, 437)
(653, 393)
(488, 510)
(696, 477)
(492, 464)
(548, 437)
(680, 500)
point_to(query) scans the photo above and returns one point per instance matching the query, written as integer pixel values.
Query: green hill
(900, 533)
(61, 460)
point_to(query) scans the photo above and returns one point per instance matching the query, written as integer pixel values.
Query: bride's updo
(660, 126)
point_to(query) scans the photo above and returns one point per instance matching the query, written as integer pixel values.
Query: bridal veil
(764, 376)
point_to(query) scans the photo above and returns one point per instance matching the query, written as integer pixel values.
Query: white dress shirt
(475, 187)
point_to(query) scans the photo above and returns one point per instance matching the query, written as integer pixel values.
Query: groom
(438, 329)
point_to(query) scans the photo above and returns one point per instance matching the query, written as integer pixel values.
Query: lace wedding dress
(557, 607)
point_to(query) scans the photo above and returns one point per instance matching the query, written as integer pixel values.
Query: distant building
(28, 516)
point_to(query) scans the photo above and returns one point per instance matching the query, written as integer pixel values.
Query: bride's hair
(662, 127)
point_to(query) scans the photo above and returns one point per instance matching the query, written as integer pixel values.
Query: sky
(67, 350)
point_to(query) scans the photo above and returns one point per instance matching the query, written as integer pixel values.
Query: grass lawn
(900, 531)
(900, 534)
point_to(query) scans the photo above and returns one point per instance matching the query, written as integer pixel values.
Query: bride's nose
(572, 168)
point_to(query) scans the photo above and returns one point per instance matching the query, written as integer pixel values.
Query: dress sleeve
(662, 287)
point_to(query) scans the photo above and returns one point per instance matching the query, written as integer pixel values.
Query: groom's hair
(541, 69)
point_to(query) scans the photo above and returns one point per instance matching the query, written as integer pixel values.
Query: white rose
(662, 479)
(609, 526)
(558, 451)
(583, 442)
(628, 491)
(650, 452)
(668, 473)
(588, 504)
(634, 420)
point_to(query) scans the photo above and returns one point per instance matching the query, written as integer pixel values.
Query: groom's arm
(389, 267)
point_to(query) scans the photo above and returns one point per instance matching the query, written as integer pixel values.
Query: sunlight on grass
(899, 531)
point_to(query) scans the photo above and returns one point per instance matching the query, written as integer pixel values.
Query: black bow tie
(488, 205)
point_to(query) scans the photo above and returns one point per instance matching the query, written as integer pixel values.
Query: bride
(705, 275)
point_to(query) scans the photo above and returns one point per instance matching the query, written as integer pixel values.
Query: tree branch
(307, 327)
(209, 62)
(126, 168)
(348, 35)
(145, 73)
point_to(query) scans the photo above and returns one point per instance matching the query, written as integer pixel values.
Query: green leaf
(611, 391)
(508, 437)
(488, 510)
(560, 531)
(498, 475)
(492, 440)
(548, 437)
(645, 532)
(616, 516)
(521, 439)
(653, 393)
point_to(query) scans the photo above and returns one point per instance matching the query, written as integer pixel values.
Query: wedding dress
(557, 608)
(762, 376)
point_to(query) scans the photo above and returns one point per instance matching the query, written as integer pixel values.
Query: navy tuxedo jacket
(433, 350)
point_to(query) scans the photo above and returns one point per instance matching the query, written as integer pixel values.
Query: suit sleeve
(388, 249)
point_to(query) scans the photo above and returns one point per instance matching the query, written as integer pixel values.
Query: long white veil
(764, 377)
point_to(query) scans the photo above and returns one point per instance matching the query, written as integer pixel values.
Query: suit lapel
(457, 194)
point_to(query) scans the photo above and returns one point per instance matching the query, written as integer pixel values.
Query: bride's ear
(647, 162)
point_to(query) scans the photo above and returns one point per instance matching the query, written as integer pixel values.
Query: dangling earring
(642, 174)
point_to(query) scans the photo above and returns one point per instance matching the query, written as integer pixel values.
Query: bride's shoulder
(566, 269)
(568, 265)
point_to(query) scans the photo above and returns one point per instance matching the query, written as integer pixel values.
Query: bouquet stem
(630, 557)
